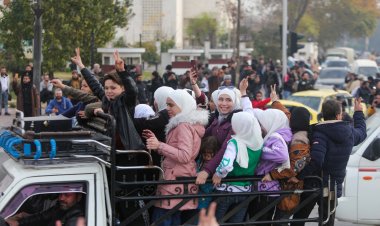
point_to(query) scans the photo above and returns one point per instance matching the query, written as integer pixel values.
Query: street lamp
(37, 42)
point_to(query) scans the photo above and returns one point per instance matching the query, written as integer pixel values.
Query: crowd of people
(203, 125)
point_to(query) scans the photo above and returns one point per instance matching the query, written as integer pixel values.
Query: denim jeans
(174, 219)
(286, 94)
(228, 203)
(4, 98)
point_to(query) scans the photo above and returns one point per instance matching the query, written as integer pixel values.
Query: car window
(38, 189)
(5, 178)
(372, 123)
(309, 101)
(332, 74)
(337, 64)
(368, 71)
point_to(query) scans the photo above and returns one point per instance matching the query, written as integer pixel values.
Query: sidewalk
(6, 120)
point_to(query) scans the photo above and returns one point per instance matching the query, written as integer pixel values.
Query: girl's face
(225, 104)
(172, 108)
(112, 89)
(84, 87)
(207, 155)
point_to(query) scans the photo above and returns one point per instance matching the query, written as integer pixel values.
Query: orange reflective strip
(367, 178)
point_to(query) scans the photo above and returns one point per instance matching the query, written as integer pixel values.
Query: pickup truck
(34, 171)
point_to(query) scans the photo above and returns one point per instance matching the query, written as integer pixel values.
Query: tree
(203, 28)
(66, 24)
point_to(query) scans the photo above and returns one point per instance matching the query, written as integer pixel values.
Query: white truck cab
(20, 181)
(360, 202)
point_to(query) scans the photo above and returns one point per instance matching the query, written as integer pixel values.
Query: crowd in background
(209, 123)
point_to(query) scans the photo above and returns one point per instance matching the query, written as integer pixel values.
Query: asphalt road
(7, 121)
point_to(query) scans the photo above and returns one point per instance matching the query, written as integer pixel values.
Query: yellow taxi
(292, 104)
(315, 98)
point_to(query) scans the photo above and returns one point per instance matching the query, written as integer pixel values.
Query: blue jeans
(174, 219)
(4, 98)
(228, 203)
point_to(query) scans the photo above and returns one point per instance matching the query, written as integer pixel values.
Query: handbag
(290, 201)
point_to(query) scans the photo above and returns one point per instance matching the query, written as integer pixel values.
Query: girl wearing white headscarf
(240, 159)
(227, 102)
(183, 139)
(275, 153)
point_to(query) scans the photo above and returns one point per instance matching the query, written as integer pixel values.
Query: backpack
(299, 155)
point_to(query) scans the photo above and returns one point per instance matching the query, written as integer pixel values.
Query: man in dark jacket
(332, 143)
(142, 96)
(67, 210)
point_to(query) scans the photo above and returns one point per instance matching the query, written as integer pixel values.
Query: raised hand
(57, 83)
(193, 76)
(243, 86)
(119, 63)
(273, 94)
(77, 59)
(208, 219)
(358, 104)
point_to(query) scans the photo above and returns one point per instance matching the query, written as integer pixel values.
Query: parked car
(332, 77)
(315, 98)
(365, 67)
(292, 104)
(360, 201)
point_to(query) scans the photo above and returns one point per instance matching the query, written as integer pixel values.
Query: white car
(360, 202)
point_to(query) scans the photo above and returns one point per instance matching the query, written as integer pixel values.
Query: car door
(369, 181)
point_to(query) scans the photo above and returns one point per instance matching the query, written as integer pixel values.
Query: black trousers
(306, 210)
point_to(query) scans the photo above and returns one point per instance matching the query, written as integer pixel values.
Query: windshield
(333, 74)
(312, 102)
(367, 71)
(372, 123)
(5, 178)
(337, 64)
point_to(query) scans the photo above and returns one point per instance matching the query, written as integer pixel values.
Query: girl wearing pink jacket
(183, 139)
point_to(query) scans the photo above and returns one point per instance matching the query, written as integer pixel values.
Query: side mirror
(373, 151)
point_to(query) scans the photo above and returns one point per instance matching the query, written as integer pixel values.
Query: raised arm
(93, 83)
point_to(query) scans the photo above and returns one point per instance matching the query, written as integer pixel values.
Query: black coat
(332, 143)
(121, 108)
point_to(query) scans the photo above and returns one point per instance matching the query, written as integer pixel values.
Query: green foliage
(66, 24)
(150, 56)
(166, 45)
(203, 28)
(120, 43)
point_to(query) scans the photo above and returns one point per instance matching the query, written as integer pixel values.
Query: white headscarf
(247, 134)
(234, 94)
(271, 120)
(143, 111)
(160, 96)
(183, 100)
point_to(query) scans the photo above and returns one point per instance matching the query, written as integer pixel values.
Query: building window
(107, 61)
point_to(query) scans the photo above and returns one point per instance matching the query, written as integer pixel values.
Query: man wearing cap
(67, 210)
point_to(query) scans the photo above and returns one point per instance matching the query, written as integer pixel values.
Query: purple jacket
(273, 155)
(222, 132)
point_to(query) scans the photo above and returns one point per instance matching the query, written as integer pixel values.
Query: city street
(7, 121)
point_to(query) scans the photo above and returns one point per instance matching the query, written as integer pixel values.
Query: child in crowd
(240, 159)
(299, 154)
(209, 147)
(275, 155)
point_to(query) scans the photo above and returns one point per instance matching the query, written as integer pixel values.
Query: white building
(167, 19)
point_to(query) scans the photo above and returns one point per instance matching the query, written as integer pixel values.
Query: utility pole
(238, 41)
(284, 37)
(92, 48)
(37, 43)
